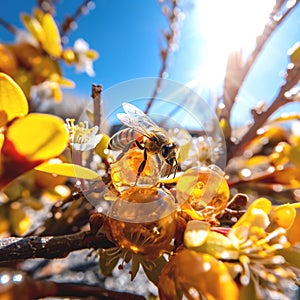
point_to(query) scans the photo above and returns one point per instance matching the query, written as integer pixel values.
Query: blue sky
(125, 33)
(128, 35)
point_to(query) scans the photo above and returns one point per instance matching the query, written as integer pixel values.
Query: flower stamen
(81, 137)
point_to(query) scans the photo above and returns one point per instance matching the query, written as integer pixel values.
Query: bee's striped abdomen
(120, 139)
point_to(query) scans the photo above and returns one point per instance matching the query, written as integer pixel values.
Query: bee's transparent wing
(137, 120)
(130, 109)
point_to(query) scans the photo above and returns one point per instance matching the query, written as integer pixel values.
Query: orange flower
(194, 275)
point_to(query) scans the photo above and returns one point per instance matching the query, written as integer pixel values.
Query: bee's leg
(139, 145)
(170, 170)
(175, 167)
(124, 150)
(142, 166)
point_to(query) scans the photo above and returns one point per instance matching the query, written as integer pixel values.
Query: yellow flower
(44, 30)
(252, 246)
(27, 140)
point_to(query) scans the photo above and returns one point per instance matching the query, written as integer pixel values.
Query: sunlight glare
(227, 26)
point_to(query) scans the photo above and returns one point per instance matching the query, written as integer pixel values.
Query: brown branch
(233, 85)
(96, 95)
(12, 29)
(31, 289)
(165, 52)
(67, 24)
(47, 6)
(292, 78)
(12, 249)
(66, 289)
(74, 208)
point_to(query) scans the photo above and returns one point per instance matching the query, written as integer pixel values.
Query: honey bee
(145, 134)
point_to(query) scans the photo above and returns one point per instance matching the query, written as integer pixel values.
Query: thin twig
(69, 20)
(12, 29)
(96, 95)
(74, 208)
(231, 92)
(292, 78)
(165, 52)
(47, 6)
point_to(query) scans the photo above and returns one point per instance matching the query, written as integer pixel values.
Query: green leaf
(67, 169)
(153, 268)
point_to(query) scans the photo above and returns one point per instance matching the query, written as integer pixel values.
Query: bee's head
(170, 153)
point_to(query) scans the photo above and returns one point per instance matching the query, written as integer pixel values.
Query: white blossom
(81, 137)
(84, 63)
(44, 90)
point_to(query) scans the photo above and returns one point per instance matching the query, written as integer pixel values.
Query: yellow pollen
(134, 249)
(79, 134)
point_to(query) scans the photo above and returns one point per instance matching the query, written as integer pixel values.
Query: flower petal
(219, 246)
(67, 169)
(196, 233)
(37, 137)
(293, 232)
(28, 142)
(195, 274)
(34, 27)
(284, 215)
(256, 214)
(52, 43)
(101, 148)
(12, 101)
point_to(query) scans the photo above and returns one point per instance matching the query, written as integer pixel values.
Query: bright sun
(227, 26)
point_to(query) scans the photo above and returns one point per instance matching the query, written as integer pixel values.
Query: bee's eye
(165, 150)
